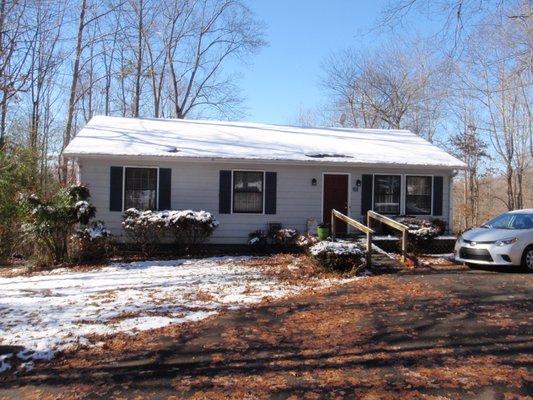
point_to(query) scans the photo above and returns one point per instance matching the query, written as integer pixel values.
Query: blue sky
(284, 77)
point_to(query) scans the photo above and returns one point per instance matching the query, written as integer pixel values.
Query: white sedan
(504, 240)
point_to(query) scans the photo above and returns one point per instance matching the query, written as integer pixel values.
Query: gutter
(159, 158)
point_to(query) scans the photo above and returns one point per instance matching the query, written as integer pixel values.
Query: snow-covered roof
(188, 139)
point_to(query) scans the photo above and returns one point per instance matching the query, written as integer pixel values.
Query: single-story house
(251, 175)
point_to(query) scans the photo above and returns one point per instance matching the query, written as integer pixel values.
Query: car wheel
(527, 259)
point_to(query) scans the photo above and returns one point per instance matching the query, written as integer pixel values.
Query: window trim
(232, 190)
(124, 184)
(403, 191)
(432, 193)
(401, 205)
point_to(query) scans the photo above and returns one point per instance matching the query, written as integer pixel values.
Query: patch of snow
(82, 208)
(4, 365)
(61, 309)
(385, 237)
(444, 237)
(336, 248)
(444, 255)
(167, 218)
(379, 250)
(105, 135)
(29, 354)
(95, 231)
(28, 366)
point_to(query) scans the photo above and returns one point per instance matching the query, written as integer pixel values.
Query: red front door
(335, 197)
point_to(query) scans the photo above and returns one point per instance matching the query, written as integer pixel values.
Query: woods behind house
(467, 88)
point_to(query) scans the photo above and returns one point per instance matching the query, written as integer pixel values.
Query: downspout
(450, 200)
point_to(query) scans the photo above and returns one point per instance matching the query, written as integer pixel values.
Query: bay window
(418, 197)
(248, 192)
(387, 194)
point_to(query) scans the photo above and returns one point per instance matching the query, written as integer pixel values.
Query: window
(418, 196)
(140, 188)
(387, 194)
(510, 221)
(247, 192)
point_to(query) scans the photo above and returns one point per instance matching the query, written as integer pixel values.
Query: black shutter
(367, 188)
(270, 192)
(165, 176)
(115, 189)
(438, 190)
(224, 194)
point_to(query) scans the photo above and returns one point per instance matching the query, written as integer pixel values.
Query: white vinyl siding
(195, 185)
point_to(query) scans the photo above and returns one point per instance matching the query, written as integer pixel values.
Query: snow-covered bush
(50, 223)
(190, 227)
(257, 239)
(338, 256)
(279, 237)
(305, 241)
(145, 228)
(285, 236)
(148, 228)
(421, 233)
(91, 243)
(440, 225)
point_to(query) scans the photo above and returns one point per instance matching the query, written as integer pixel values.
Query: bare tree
(82, 23)
(16, 41)
(503, 89)
(139, 9)
(84, 20)
(201, 36)
(470, 148)
(388, 88)
(44, 62)
(454, 19)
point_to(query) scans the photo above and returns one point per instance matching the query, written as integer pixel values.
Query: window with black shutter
(248, 191)
(387, 189)
(419, 195)
(140, 188)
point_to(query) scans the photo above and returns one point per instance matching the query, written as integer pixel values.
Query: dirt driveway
(452, 333)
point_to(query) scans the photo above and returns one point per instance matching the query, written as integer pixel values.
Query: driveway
(446, 333)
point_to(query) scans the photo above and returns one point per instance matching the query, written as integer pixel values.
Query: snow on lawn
(58, 310)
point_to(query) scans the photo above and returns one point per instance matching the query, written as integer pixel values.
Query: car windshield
(510, 221)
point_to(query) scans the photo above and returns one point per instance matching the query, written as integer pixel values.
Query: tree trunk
(73, 89)
(510, 194)
(139, 61)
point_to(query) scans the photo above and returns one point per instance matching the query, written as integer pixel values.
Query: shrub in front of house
(91, 243)
(421, 233)
(305, 241)
(440, 225)
(257, 239)
(190, 227)
(50, 222)
(149, 228)
(145, 228)
(285, 236)
(338, 256)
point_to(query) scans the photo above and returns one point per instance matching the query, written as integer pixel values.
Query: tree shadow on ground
(459, 333)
